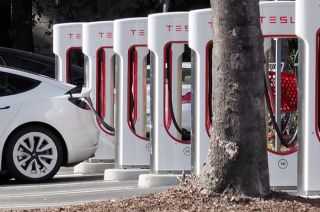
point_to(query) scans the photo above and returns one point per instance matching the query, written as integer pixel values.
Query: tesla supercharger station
(307, 28)
(200, 41)
(130, 45)
(99, 63)
(66, 38)
(167, 36)
(277, 21)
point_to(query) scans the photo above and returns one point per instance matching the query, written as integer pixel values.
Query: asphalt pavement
(68, 188)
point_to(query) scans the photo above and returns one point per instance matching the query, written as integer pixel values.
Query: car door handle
(4, 108)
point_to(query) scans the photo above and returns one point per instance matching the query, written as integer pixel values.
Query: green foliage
(293, 48)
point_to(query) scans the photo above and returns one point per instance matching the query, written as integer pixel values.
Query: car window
(2, 61)
(29, 65)
(3, 84)
(11, 84)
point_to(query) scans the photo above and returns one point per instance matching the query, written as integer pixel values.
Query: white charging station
(166, 36)
(277, 21)
(307, 28)
(169, 152)
(66, 37)
(99, 63)
(130, 45)
(200, 41)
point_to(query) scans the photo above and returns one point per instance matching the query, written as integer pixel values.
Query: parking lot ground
(67, 188)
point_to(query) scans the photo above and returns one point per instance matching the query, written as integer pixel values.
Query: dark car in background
(37, 63)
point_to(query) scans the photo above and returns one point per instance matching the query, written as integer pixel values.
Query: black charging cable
(70, 75)
(104, 124)
(273, 120)
(210, 83)
(186, 135)
(131, 98)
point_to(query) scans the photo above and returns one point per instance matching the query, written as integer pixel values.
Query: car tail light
(186, 98)
(81, 103)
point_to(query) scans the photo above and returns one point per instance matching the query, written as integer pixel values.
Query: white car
(44, 124)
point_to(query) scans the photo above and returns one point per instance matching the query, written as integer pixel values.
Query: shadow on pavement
(65, 175)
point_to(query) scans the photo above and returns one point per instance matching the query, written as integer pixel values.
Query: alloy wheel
(35, 154)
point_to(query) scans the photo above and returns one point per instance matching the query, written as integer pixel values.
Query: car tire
(5, 177)
(33, 154)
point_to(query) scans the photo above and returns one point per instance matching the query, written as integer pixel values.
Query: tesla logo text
(277, 19)
(105, 34)
(74, 35)
(177, 28)
(137, 32)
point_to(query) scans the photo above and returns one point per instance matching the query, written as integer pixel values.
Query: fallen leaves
(187, 198)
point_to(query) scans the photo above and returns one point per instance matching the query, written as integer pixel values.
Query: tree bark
(237, 158)
(21, 24)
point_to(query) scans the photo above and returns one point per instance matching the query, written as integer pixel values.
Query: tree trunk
(237, 159)
(21, 24)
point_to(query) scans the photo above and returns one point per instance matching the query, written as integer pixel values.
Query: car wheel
(5, 177)
(34, 154)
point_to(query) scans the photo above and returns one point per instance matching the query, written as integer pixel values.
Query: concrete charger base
(124, 174)
(92, 168)
(156, 180)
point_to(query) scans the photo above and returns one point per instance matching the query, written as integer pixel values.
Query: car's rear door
(8, 110)
(10, 102)
(8, 106)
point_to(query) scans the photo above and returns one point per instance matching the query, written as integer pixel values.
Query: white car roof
(37, 77)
